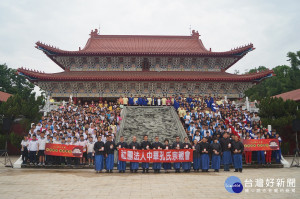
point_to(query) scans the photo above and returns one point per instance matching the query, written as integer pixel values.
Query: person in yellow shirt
(181, 113)
(125, 100)
(149, 101)
(164, 101)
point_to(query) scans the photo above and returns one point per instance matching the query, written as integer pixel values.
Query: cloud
(272, 26)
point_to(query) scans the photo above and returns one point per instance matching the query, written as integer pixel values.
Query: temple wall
(158, 89)
(96, 63)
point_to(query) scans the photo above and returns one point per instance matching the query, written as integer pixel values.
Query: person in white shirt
(158, 101)
(82, 142)
(75, 142)
(41, 148)
(90, 151)
(24, 149)
(32, 149)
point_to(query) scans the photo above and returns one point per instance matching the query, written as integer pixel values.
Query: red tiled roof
(292, 95)
(4, 96)
(143, 45)
(142, 76)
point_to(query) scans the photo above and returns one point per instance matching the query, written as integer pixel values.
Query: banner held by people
(64, 150)
(130, 155)
(261, 144)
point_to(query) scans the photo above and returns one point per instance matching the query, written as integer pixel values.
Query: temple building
(146, 65)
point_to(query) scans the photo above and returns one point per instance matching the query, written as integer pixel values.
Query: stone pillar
(247, 104)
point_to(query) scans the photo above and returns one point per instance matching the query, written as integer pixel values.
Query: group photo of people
(215, 129)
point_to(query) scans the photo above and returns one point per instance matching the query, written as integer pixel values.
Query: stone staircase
(161, 121)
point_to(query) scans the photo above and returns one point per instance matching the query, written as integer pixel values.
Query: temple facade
(146, 65)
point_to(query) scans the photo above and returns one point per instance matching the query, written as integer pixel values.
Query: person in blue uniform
(109, 151)
(130, 101)
(196, 155)
(204, 149)
(145, 145)
(122, 164)
(226, 151)
(215, 149)
(278, 152)
(134, 166)
(237, 150)
(144, 101)
(186, 166)
(167, 165)
(140, 101)
(99, 154)
(156, 145)
(260, 154)
(177, 145)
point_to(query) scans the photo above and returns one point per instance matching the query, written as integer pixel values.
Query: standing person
(278, 152)
(176, 145)
(157, 146)
(145, 145)
(260, 154)
(167, 165)
(109, 150)
(121, 164)
(32, 149)
(41, 148)
(49, 158)
(237, 150)
(186, 166)
(75, 142)
(99, 154)
(135, 146)
(268, 153)
(131, 101)
(215, 149)
(69, 159)
(82, 142)
(204, 149)
(24, 149)
(90, 151)
(248, 154)
(196, 155)
(226, 150)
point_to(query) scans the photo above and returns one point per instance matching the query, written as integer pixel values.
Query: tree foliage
(286, 78)
(23, 103)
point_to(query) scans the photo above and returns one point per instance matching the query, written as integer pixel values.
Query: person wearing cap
(99, 154)
(204, 149)
(109, 153)
(156, 145)
(145, 145)
(237, 150)
(186, 166)
(177, 145)
(226, 151)
(32, 149)
(215, 150)
(121, 164)
(166, 165)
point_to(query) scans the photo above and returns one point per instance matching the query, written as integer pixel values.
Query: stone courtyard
(85, 183)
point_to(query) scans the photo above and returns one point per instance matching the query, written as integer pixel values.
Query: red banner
(260, 144)
(130, 155)
(63, 150)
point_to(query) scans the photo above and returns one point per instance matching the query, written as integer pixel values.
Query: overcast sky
(272, 26)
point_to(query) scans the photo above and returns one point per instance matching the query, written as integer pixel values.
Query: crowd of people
(215, 129)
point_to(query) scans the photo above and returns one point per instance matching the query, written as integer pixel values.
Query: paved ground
(33, 183)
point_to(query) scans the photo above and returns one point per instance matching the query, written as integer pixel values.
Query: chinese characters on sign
(260, 144)
(129, 155)
(270, 185)
(63, 150)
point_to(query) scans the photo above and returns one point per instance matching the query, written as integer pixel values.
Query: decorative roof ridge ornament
(195, 34)
(94, 33)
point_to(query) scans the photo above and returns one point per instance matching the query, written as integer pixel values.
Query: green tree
(23, 103)
(286, 78)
